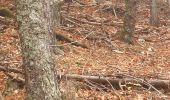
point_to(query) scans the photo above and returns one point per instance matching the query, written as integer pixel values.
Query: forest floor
(96, 27)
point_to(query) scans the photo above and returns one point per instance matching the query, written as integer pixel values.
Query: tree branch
(154, 84)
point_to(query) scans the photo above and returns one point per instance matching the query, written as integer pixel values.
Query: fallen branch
(7, 69)
(159, 84)
(118, 24)
(15, 78)
(79, 2)
(154, 84)
(67, 39)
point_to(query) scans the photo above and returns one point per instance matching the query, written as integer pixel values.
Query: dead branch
(79, 2)
(67, 39)
(14, 76)
(17, 79)
(159, 84)
(115, 82)
(118, 24)
(7, 69)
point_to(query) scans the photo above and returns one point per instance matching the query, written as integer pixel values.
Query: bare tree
(154, 19)
(35, 20)
(129, 21)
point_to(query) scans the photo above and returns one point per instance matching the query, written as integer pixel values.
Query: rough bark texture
(129, 20)
(35, 27)
(154, 19)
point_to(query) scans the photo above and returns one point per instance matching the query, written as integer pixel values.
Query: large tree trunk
(154, 19)
(129, 20)
(35, 27)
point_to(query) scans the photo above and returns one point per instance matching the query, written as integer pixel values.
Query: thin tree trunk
(129, 21)
(56, 9)
(154, 19)
(35, 27)
(168, 1)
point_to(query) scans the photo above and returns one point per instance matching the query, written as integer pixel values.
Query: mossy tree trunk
(154, 19)
(35, 20)
(129, 21)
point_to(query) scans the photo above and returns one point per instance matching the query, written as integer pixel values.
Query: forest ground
(106, 55)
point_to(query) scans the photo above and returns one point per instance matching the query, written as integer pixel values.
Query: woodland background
(100, 52)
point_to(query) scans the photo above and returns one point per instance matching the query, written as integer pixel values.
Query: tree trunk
(168, 1)
(154, 19)
(129, 21)
(57, 8)
(35, 27)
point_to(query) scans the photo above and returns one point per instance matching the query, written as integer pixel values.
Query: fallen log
(115, 82)
(153, 84)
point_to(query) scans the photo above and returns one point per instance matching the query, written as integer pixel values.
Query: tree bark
(35, 20)
(168, 1)
(129, 20)
(56, 9)
(154, 19)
